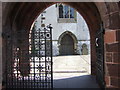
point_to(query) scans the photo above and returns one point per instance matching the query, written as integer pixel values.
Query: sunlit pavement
(71, 66)
(73, 72)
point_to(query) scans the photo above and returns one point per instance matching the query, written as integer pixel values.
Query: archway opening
(71, 45)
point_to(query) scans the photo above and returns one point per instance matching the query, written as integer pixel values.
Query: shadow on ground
(86, 81)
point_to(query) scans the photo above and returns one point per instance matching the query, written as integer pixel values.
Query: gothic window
(66, 12)
(71, 13)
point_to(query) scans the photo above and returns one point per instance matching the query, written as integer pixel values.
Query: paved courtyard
(73, 72)
(71, 66)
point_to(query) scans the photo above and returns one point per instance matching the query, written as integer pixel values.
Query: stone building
(66, 23)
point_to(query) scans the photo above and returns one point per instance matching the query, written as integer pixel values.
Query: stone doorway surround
(75, 42)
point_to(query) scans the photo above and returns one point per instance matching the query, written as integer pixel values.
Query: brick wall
(112, 45)
(112, 58)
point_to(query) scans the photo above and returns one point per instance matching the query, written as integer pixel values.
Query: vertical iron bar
(6, 69)
(39, 85)
(34, 55)
(16, 59)
(20, 72)
(29, 52)
(40, 57)
(11, 59)
(23, 71)
(45, 82)
(51, 58)
(31, 55)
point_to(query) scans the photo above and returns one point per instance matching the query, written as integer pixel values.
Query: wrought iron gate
(100, 57)
(39, 62)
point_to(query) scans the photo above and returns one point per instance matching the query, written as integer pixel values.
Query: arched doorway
(67, 45)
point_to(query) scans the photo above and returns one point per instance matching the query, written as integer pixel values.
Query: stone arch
(88, 10)
(19, 16)
(73, 37)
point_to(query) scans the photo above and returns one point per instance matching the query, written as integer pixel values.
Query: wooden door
(67, 45)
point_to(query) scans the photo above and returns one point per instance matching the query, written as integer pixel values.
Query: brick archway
(91, 16)
(19, 17)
